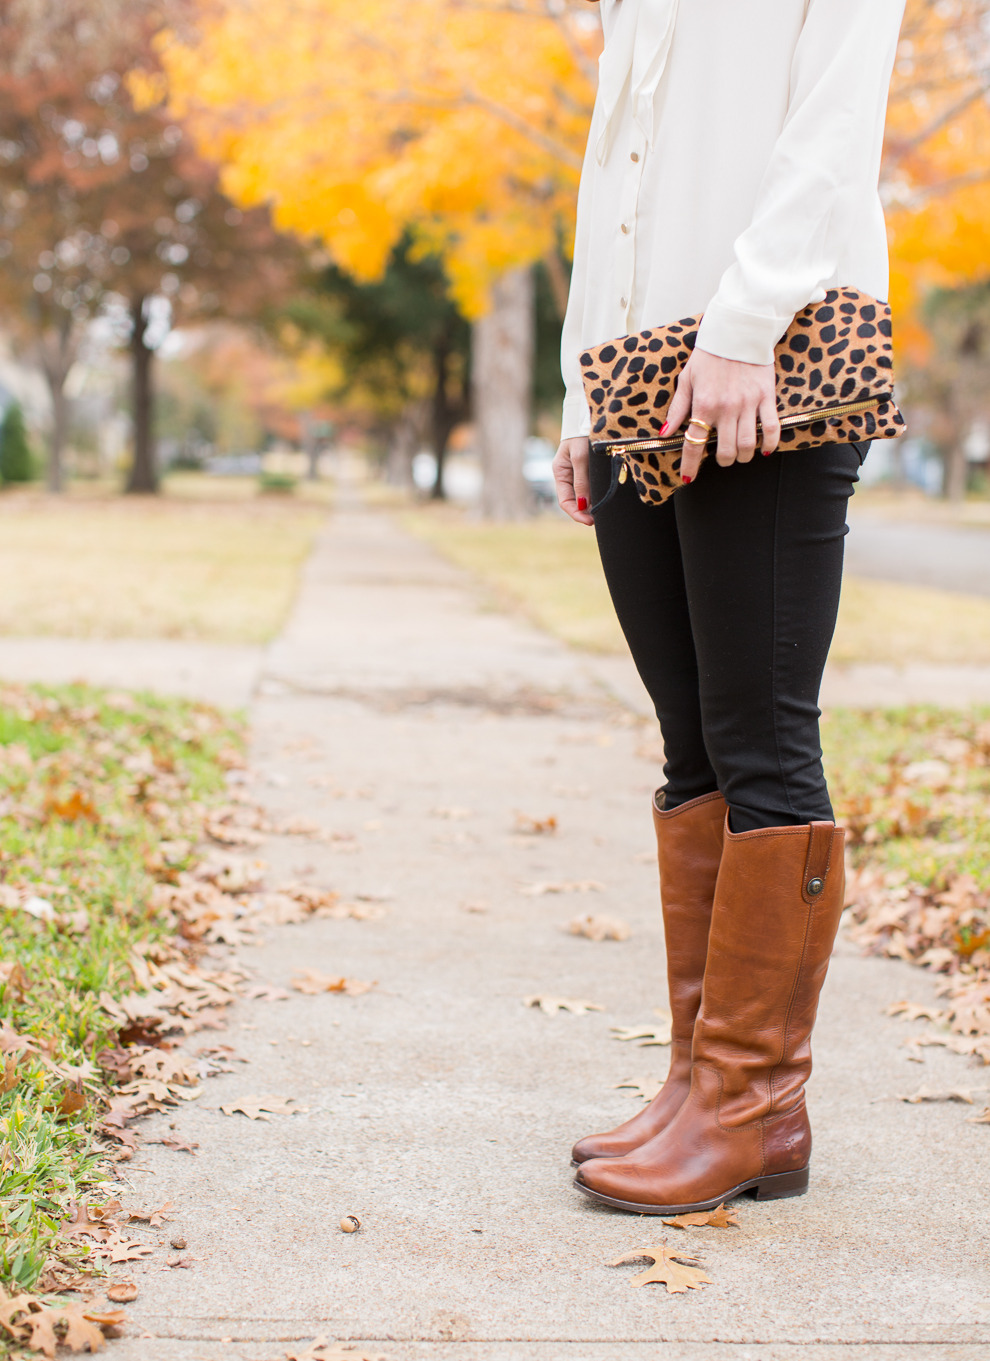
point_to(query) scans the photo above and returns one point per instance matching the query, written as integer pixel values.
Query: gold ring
(704, 424)
(689, 440)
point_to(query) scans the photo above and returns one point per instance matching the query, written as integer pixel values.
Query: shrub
(16, 459)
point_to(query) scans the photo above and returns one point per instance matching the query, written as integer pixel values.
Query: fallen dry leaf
(77, 807)
(175, 1259)
(599, 928)
(128, 1249)
(645, 1035)
(646, 1087)
(911, 1011)
(122, 1292)
(551, 1005)
(982, 1119)
(41, 1327)
(561, 886)
(267, 992)
(153, 1217)
(312, 981)
(322, 1350)
(963, 1094)
(529, 826)
(263, 1107)
(719, 1218)
(676, 1272)
(91, 1221)
(176, 1145)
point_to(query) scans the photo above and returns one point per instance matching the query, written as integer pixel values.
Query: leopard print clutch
(835, 385)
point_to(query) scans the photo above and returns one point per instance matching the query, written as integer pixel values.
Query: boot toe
(592, 1146)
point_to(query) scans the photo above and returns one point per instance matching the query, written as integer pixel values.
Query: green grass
(91, 783)
(912, 786)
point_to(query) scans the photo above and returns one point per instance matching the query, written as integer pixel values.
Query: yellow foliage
(465, 119)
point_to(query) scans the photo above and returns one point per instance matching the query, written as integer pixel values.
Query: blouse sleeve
(829, 147)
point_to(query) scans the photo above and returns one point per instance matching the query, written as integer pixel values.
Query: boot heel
(782, 1185)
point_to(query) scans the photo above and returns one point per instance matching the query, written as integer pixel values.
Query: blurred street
(947, 557)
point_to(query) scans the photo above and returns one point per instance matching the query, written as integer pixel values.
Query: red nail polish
(685, 479)
(767, 453)
(582, 503)
(663, 428)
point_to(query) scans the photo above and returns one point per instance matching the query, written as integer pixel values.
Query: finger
(746, 437)
(692, 454)
(727, 440)
(770, 423)
(680, 407)
(563, 476)
(580, 464)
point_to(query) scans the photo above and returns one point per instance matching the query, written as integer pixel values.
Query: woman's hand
(570, 472)
(731, 396)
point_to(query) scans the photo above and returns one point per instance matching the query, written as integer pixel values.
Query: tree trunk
(402, 445)
(440, 415)
(143, 477)
(59, 348)
(502, 382)
(311, 446)
(954, 477)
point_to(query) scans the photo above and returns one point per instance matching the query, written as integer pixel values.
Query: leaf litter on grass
(912, 787)
(118, 888)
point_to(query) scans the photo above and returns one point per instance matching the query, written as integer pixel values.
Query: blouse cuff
(575, 418)
(735, 334)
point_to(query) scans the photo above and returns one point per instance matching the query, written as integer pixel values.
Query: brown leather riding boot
(689, 848)
(743, 1126)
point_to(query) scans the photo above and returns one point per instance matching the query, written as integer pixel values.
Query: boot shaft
(689, 851)
(777, 906)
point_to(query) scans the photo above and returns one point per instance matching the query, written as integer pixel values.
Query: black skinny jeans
(727, 595)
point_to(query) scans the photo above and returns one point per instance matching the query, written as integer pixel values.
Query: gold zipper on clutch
(801, 418)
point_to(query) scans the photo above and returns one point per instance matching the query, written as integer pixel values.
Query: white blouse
(731, 169)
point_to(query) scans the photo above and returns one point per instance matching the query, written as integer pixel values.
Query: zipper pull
(623, 471)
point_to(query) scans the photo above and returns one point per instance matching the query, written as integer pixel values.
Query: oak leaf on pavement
(152, 1217)
(644, 1035)
(599, 928)
(719, 1218)
(322, 1350)
(552, 1005)
(646, 1087)
(263, 1107)
(677, 1272)
(313, 981)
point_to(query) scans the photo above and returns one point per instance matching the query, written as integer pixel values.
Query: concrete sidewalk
(441, 1110)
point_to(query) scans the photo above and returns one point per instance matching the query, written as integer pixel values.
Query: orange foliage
(937, 163)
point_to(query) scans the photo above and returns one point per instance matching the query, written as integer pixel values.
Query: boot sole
(777, 1187)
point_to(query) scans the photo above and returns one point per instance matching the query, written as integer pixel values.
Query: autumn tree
(460, 121)
(465, 121)
(936, 182)
(402, 348)
(101, 200)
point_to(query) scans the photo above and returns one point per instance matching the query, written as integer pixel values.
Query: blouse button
(634, 155)
(623, 302)
(625, 228)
